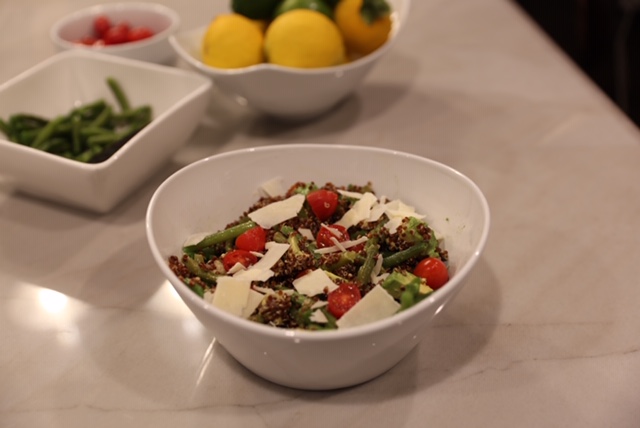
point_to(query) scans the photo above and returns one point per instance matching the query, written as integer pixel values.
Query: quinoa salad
(316, 257)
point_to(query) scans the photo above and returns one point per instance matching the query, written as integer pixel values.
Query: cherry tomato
(323, 238)
(323, 203)
(252, 240)
(139, 33)
(340, 300)
(117, 34)
(245, 258)
(101, 25)
(88, 41)
(433, 270)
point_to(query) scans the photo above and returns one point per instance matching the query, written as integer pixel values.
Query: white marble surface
(544, 335)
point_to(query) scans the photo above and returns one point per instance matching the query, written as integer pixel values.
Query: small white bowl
(455, 208)
(69, 79)
(287, 92)
(163, 21)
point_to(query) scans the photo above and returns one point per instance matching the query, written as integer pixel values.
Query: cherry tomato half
(245, 258)
(323, 238)
(117, 34)
(323, 203)
(252, 240)
(340, 300)
(139, 33)
(433, 270)
(101, 25)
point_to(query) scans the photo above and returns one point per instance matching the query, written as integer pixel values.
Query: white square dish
(178, 100)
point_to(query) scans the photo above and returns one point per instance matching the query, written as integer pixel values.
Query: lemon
(233, 41)
(304, 38)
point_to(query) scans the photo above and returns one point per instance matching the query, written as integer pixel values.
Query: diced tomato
(245, 258)
(117, 34)
(433, 270)
(252, 240)
(323, 203)
(139, 33)
(323, 238)
(101, 25)
(340, 300)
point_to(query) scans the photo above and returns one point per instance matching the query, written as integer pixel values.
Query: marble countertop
(545, 334)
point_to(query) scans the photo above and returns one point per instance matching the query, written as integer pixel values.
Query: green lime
(255, 9)
(317, 5)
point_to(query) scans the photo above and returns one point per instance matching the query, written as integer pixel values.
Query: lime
(255, 9)
(304, 38)
(318, 5)
(233, 41)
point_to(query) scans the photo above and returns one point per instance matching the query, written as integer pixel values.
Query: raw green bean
(88, 133)
(46, 132)
(222, 236)
(75, 134)
(117, 91)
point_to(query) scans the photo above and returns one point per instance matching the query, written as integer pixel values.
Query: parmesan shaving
(348, 194)
(359, 211)
(306, 233)
(319, 317)
(273, 187)
(344, 244)
(277, 212)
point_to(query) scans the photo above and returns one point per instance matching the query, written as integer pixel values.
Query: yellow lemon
(304, 38)
(365, 29)
(233, 41)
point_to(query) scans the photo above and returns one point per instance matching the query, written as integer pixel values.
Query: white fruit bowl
(286, 92)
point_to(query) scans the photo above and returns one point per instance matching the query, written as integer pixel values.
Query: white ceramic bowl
(454, 205)
(163, 21)
(287, 92)
(178, 99)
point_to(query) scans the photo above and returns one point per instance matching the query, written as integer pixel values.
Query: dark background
(602, 37)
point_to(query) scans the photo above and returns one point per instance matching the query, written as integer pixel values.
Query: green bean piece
(102, 139)
(88, 154)
(26, 136)
(89, 111)
(420, 249)
(46, 132)
(102, 119)
(195, 268)
(222, 236)
(371, 250)
(117, 91)
(27, 121)
(76, 141)
(88, 131)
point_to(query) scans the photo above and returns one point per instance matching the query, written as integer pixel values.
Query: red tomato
(117, 34)
(252, 240)
(342, 299)
(323, 238)
(88, 40)
(323, 203)
(139, 33)
(433, 270)
(101, 25)
(245, 258)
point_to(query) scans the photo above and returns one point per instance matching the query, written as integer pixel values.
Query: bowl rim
(398, 18)
(95, 10)
(205, 84)
(439, 297)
